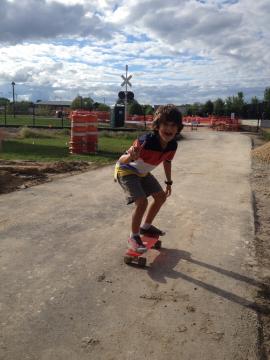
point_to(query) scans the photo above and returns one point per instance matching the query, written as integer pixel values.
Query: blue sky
(178, 51)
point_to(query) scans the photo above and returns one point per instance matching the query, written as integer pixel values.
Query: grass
(27, 120)
(266, 134)
(37, 145)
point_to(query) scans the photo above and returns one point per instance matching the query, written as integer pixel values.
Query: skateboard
(151, 242)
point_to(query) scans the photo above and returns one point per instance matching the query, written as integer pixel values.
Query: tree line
(134, 107)
(26, 107)
(233, 104)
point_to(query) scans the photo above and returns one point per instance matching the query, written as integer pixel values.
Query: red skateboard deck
(150, 242)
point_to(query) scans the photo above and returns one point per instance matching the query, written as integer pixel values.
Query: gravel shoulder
(260, 185)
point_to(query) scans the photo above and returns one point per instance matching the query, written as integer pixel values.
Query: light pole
(13, 95)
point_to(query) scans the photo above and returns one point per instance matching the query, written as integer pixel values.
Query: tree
(267, 94)
(267, 103)
(102, 107)
(23, 107)
(196, 109)
(208, 107)
(189, 110)
(134, 108)
(148, 110)
(238, 103)
(229, 105)
(4, 101)
(253, 109)
(219, 107)
(84, 103)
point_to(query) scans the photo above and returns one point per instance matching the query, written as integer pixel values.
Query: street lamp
(13, 95)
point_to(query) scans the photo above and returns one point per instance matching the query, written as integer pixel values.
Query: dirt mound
(16, 175)
(262, 153)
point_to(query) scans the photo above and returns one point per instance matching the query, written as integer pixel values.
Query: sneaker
(135, 243)
(152, 230)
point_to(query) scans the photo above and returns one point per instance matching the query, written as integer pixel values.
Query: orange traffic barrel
(92, 133)
(78, 134)
(84, 132)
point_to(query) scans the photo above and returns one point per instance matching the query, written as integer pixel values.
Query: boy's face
(167, 131)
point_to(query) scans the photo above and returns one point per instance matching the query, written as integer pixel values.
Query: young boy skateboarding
(133, 172)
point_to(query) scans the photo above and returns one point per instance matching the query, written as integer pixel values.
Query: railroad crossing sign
(126, 83)
(126, 79)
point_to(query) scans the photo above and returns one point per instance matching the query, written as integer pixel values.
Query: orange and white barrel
(77, 142)
(92, 133)
(84, 133)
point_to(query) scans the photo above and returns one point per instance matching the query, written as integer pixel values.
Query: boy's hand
(135, 151)
(168, 190)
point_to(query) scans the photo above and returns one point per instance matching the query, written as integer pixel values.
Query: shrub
(26, 132)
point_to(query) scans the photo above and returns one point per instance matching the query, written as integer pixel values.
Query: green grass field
(27, 120)
(37, 145)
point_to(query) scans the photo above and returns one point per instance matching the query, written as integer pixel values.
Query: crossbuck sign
(126, 79)
(126, 83)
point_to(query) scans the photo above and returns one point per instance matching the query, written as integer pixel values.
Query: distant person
(194, 124)
(133, 172)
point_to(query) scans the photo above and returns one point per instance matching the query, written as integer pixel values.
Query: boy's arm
(125, 159)
(132, 154)
(168, 173)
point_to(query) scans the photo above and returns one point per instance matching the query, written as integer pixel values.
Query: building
(55, 105)
(53, 108)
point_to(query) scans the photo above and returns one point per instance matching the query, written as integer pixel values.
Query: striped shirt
(151, 155)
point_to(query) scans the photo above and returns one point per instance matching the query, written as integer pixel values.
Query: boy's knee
(160, 197)
(142, 202)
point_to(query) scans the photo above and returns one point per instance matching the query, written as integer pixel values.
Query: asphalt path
(65, 292)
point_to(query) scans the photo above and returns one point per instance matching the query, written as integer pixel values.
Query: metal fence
(33, 117)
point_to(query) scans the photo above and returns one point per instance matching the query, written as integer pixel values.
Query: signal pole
(126, 83)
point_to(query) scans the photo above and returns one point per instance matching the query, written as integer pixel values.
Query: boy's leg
(135, 241)
(159, 200)
(152, 187)
(135, 193)
(137, 215)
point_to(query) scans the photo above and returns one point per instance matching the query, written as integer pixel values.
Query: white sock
(146, 226)
(132, 235)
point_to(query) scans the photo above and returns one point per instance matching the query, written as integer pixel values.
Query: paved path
(66, 294)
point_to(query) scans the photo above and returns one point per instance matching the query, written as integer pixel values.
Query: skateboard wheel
(127, 260)
(157, 245)
(142, 261)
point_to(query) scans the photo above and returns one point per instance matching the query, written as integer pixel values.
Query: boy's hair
(167, 113)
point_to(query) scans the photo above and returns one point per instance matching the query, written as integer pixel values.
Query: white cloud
(38, 19)
(178, 51)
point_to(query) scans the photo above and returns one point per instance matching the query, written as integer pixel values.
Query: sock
(146, 226)
(132, 235)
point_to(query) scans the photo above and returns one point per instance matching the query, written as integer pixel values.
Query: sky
(177, 51)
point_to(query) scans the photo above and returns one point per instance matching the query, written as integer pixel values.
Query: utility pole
(126, 83)
(13, 94)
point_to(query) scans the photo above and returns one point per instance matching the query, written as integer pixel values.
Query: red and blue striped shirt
(151, 155)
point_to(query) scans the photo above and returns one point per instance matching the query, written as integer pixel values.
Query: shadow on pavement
(163, 267)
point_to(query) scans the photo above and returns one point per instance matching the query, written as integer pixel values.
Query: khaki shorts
(139, 186)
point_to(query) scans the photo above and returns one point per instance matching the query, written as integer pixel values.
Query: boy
(133, 172)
